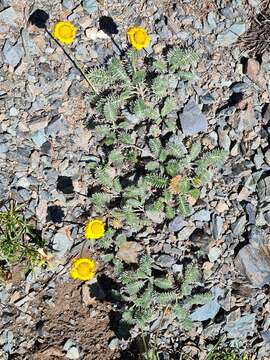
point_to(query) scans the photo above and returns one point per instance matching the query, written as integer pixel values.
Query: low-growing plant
(18, 240)
(146, 295)
(147, 171)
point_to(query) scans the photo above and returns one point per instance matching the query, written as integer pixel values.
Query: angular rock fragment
(192, 119)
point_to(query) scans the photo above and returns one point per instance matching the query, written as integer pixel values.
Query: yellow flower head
(64, 31)
(83, 269)
(94, 229)
(138, 37)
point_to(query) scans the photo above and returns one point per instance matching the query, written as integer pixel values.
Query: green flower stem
(74, 62)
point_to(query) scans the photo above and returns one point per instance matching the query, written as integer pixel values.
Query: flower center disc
(139, 37)
(84, 269)
(96, 228)
(65, 31)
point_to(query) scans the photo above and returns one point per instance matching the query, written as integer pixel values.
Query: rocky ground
(45, 149)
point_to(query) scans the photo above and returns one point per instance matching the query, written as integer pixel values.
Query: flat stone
(129, 252)
(90, 6)
(73, 353)
(242, 327)
(12, 53)
(255, 263)
(3, 148)
(231, 35)
(239, 225)
(192, 119)
(68, 4)
(217, 227)
(156, 216)
(239, 87)
(205, 312)
(263, 189)
(214, 254)
(114, 344)
(56, 126)
(177, 224)
(209, 310)
(202, 215)
(165, 261)
(61, 244)
(227, 12)
(39, 137)
(8, 16)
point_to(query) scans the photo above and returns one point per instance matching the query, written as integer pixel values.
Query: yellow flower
(64, 31)
(94, 229)
(83, 269)
(138, 37)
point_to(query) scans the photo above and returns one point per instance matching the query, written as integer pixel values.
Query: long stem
(72, 60)
(145, 346)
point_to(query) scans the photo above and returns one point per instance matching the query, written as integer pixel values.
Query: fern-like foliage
(100, 200)
(179, 58)
(147, 174)
(214, 158)
(157, 181)
(100, 78)
(146, 294)
(169, 106)
(118, 71)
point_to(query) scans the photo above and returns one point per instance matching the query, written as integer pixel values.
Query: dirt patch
(66, 316)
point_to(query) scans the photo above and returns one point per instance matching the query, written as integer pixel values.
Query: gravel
(46, 149)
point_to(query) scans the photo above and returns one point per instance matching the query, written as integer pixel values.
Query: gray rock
(263, 189)
(13, 111)
(61, 243)
(8, 341)
(90, 6)
(73, 353)
(177, 224)
(209, 310)
(251, 213)
(214, 254)
(231, 35)
(211, 18)
(205, 312)
(8, 16)
(255, 264)
(69, 344)
(239, 225)
(156, 216)
(56, 126)
(165, 261)
(186, 232)
(114, 344)
(217, 227)
(177, 268)
(242, 327)
(74, 89)
(3, 294)
(227, 12)
(240, 87)
(3, 148)
(192, 119)
(207, 99)
(39, 137)
(12, 53)
(202, 215)
(68, 4)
